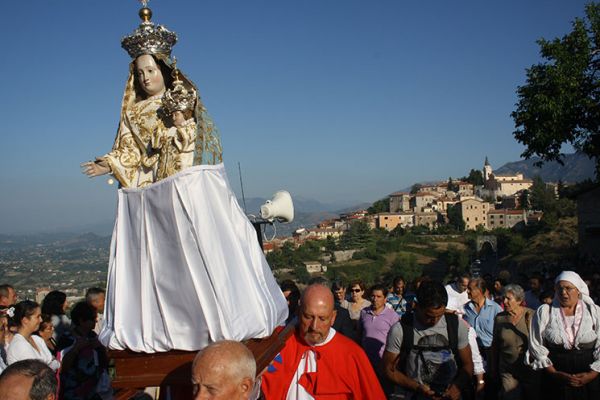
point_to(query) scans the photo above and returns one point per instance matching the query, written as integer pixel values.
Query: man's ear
(247, 385)
(333, 315)
(51, 397)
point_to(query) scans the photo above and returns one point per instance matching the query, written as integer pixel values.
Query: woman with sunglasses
(358, 302)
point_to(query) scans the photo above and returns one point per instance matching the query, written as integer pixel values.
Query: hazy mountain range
(308, 212)
(577, 167)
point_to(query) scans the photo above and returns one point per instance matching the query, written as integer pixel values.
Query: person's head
(28, 380)
(27, 316)
(8, 295)
(547, 296)
(316, 314)
(96, 297)
(292, 295)
(499, 284)
(398, 286)
(567, 293)
(535, 283)
(223, 370)
(378, 296)
(357, 290)
(477, 289)
(462, 282)
(46, 328)
(149, 75)
(84, 316)
(339, 291)
(55, 303)
(432, 299)
(512, 297)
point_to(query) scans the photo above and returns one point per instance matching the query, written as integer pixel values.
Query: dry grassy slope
(551, 247)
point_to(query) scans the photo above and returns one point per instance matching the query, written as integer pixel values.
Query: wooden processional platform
(135, 371)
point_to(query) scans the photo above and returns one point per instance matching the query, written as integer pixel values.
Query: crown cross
(144, 3)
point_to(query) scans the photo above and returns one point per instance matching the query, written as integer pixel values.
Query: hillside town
(496, 203)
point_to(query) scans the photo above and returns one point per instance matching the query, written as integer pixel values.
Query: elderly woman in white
(565, 341)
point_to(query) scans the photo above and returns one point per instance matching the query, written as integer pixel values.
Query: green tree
(475, 177)
(405, 265)
(415, 188)
(516, 244)
(302, 274)
(560, 102)
(455, 218)
(524, 202)
(382, 205)
(330, 244)
(286, 257)
(357, 236)
(452, 185)
(541, 197)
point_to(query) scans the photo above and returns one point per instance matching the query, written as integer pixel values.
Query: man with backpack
(427, 353)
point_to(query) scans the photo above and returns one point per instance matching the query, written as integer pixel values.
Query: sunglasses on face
(355, 290)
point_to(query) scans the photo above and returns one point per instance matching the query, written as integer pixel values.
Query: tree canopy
(475, 177)
(559, 103)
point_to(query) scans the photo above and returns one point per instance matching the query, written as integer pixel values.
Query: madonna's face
(149, 75)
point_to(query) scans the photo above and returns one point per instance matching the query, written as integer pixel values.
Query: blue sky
(341, 101)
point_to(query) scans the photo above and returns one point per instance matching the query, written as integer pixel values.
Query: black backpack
(408, 334)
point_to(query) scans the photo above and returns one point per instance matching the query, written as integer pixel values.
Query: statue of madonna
(185, 265)
(139, 156)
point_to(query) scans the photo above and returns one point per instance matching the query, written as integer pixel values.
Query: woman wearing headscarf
(565, 342)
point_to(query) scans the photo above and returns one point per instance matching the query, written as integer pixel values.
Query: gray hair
(238, 358)
(516, 290)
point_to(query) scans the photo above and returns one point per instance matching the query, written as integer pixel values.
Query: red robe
(343, 371)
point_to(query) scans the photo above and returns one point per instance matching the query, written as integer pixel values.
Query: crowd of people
(474, 338)
(477, 337)
(68, 346)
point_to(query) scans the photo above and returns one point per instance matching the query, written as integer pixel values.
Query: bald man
(316, 362)
(223, 370)
(28, 380)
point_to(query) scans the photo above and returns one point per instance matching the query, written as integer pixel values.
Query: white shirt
(547, 326)
(456, 300)
(20, 349)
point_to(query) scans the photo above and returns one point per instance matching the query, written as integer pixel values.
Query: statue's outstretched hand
(95, 168)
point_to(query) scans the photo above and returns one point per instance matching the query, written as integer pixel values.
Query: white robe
(186, 268)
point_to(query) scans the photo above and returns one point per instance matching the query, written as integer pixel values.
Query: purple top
(375, 329)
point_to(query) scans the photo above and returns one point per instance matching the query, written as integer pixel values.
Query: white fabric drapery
(186, 268)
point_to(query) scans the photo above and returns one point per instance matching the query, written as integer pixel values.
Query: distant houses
(429, 205)
(495, 204)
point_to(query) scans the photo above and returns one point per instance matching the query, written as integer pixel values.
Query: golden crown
(149, 38)
(178, 98)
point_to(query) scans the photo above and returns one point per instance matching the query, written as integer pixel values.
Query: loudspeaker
(280, 208)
